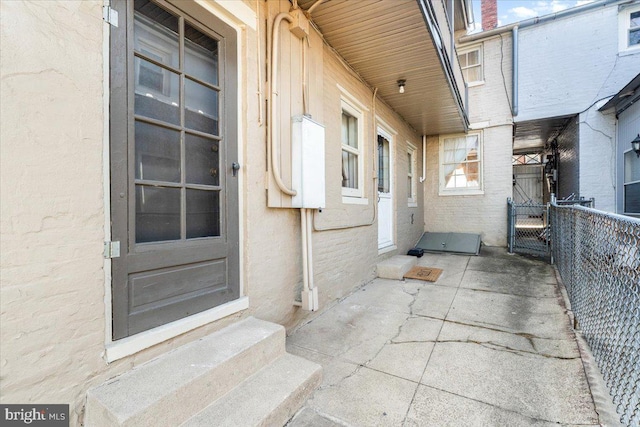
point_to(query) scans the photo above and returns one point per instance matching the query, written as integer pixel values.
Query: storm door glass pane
(157, 153)
(155, 33)
(202, 160)
(201, 55)
(383, 165)
(157, 214)
(157, 92)
(203, 213)
(201, 108)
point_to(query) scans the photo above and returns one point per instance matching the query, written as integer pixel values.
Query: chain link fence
(598, 257)
(527, 228)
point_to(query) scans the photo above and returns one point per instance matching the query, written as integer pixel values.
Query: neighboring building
(567, 65)
(627, 112)
(154, 135)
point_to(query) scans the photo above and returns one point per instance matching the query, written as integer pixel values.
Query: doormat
(428, 274)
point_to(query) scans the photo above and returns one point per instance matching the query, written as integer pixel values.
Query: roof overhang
(627, 96)
(533, 135)
(389, 40)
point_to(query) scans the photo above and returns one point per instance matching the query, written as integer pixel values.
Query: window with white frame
(412, 166)
(631, 183)
(352, 153)
(629, 29)
(471, 65)
(461, 164)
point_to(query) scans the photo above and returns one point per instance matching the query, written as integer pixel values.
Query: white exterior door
(385, 191)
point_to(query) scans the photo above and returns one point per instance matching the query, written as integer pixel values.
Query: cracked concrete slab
(419, 329)
(432, 407)
(489, 343)
(310, 418)
(433, 301)
(535, 386)
(405, 360)
(367, 398)
(353, 332)
(508, 284)
(383, 294)
(544, 317)
(517, 341)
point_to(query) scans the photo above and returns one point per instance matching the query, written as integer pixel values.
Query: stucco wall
(489, 111)
(54, 278)
(567, 64)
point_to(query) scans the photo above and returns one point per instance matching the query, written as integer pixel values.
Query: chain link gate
(598, 257)
(528, 228)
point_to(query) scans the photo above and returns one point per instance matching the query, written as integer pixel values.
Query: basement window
(471, 65)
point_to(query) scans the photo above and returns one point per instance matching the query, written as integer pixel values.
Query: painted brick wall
(566, 65)
(490, 112)
(598, 158)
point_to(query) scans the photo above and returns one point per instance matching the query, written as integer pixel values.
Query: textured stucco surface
(53, 204)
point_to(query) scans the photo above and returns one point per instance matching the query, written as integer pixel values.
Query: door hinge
(110, 15)
(111, 250)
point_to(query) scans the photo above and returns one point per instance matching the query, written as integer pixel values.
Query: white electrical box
(307, 163)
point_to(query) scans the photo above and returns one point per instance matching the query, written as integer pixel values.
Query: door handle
(235, 166)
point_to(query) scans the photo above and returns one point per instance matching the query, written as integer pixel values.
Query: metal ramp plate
(458, 243)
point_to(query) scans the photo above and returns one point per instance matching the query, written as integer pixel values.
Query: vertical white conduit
(424, 159)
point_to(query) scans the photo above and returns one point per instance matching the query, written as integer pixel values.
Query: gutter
(438, 44)
(541, 19)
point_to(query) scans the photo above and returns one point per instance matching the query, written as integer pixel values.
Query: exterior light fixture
(401, 84)
(635, 144)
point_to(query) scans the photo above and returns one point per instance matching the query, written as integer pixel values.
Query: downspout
(514, 71)
(423, 178)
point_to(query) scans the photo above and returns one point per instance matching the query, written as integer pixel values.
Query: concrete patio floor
(488, 344)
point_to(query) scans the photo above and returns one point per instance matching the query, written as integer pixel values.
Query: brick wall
(490, 112)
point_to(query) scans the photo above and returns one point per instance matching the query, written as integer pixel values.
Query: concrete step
(170, 389)
(395, 267)
(269, 398)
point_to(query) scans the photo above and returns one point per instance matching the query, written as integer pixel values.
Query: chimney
(489, 13)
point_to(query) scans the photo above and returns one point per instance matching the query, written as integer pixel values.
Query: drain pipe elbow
(514, 71)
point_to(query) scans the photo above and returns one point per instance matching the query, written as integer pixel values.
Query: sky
(510, 11)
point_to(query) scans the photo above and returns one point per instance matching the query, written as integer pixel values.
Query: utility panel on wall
(307, 163)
